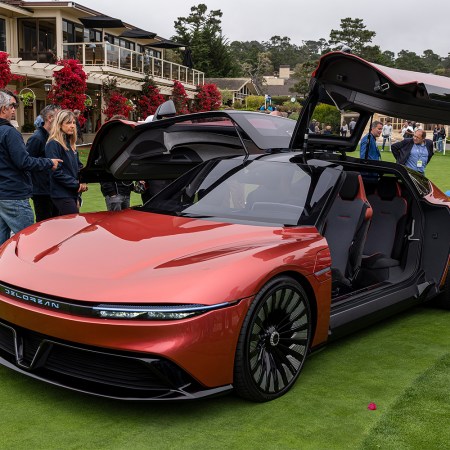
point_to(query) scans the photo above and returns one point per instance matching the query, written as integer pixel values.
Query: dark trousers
(67, 205)
(43, 207)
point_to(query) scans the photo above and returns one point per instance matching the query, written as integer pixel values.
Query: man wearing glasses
(414, 153)
(15, 165)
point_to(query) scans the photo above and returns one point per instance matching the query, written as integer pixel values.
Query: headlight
(172, 312)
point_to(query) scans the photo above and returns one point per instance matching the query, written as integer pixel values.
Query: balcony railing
(105, 54)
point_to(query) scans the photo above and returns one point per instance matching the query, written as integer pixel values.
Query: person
(76, 113)
(407, 130)
(440, 138)
(351, 126)
(368, 148)
(43, 205)
(387, 134)
(344, 129)
(38, 122)
(117, 193)
(327, 130)
(65, 188)
(414, 153)
(15, 167)
(312, 126)
(276, 112)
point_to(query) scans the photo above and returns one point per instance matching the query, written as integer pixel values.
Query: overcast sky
(398, 24)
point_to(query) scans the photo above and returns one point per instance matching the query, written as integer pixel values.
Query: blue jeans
(440, 145)
(15, 215)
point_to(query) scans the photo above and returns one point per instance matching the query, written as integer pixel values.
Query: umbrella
(101, 22)
(187, 58)
(166, 43)
(137, 33)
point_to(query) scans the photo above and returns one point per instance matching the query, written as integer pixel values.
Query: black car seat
(385, 239)
(345, 230)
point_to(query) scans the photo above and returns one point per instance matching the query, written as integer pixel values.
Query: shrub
(254, 101)
(328, 114)
(180, 98)
(208, 98)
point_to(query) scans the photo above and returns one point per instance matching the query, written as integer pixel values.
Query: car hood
(138, 257)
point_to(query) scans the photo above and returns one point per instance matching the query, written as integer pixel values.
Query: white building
(37, 34)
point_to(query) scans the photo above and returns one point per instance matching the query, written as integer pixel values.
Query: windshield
(265, 192)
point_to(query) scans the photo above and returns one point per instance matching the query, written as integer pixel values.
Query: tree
(410, 61)
(180, 98)
(69, 87)
(202, 33)
(257, 71)
(431, 60)
(282, 52)
(245, 53)
(352, 34)
(208, 98)
(117, 104)
(149, 100)
(302, 73)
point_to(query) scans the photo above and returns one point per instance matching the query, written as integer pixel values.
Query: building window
(2, 35)
(37, 39)
(72, 32)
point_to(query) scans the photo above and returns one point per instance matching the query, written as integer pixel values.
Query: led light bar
(175, 312)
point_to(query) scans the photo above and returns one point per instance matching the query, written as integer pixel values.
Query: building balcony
(115, 60)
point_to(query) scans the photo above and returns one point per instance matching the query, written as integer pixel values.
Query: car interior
(371, 230)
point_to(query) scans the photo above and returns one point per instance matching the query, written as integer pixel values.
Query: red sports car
(268, 242)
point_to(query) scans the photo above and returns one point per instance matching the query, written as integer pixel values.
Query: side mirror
(166, 109)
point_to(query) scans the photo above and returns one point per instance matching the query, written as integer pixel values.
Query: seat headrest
(350, 188)
(387, 188)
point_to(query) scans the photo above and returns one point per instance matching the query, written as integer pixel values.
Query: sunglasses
(13, 105)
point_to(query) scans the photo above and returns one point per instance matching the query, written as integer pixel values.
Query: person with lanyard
(414, 153)
(368, 148)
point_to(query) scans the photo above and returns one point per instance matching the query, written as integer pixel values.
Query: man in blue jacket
(15, 164)
(414, 153)
(368, 148)
(43, 205)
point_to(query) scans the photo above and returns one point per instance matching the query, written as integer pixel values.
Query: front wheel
(274, 341)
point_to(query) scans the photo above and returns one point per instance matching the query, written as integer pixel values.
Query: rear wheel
(274, 341)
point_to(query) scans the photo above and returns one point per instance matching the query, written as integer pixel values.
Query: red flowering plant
(69, 87)
(207, 98)
(180, 98)
(150, 99)
(6, 76)
(117, 104)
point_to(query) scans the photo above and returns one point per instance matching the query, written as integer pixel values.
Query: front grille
(109, 369)
(94, 370)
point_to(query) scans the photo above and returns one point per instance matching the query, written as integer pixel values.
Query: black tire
(273, 342)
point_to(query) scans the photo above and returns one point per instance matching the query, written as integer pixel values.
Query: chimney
(285, 72)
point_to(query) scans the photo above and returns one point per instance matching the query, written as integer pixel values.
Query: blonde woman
(65, 188)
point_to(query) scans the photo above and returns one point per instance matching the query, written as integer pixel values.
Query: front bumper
(118, 375)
